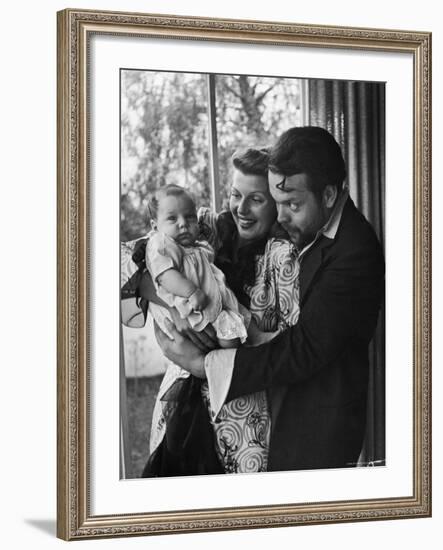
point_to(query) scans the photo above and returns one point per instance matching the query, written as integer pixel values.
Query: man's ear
(153, 225)
(329, 196)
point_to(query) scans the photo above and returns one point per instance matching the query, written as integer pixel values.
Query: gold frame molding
(74, 520)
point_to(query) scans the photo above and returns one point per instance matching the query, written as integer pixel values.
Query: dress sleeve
(284, 267)
(207, 250)
(219, 366)
(133, 309)
(162, 253)
(207, 222)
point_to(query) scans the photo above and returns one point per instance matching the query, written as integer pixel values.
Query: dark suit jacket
(317, 371)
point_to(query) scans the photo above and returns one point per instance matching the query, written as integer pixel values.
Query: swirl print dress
(242, 428)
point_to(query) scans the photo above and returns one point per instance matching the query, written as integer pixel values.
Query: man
(316, 372)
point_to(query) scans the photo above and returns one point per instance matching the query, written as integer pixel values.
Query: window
(183, 128)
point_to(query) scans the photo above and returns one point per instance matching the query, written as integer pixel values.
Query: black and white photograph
(252, 229)
(231, 234)
(244, 247)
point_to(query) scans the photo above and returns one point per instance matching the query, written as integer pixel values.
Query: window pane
(164, 136)
(251, 112)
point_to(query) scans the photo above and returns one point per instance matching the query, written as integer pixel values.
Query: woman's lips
(245, 224)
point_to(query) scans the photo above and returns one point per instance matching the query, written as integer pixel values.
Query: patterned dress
(242, 428)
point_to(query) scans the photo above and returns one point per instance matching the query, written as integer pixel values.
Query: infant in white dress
(183, 272)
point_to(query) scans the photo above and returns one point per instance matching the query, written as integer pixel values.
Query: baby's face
(177, 218)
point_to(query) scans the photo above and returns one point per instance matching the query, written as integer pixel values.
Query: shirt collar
(330, 228)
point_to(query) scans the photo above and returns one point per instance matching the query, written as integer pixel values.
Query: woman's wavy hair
(252, 161)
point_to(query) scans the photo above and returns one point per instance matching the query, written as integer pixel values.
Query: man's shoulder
(355, 231)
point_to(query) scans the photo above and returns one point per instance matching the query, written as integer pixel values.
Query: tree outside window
(165, 132)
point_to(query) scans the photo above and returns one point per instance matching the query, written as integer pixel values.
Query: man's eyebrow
(281, 185)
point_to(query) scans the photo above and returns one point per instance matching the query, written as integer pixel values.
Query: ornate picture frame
(75, 518)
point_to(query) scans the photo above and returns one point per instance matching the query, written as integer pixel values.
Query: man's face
(300, 212)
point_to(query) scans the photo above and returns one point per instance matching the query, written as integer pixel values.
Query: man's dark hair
(252, 161)
(166, 191)
(309, 150)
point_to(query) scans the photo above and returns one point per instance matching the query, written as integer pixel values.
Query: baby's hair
(252, 161)
(170, 190)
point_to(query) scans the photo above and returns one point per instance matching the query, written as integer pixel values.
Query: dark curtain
(354, 112)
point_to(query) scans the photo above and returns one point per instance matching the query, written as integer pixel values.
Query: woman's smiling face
(252, 206)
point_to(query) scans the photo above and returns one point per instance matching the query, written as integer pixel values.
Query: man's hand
(205, 341)
(180, 350)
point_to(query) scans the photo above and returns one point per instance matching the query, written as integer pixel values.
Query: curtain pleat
(354, 112)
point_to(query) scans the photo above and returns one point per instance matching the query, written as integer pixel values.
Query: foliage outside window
(165, 134)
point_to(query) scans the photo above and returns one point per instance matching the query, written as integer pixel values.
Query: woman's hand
(180, 350)
(256, 337)
(205, 341)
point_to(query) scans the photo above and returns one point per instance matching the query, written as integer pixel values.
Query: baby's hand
(198, 300)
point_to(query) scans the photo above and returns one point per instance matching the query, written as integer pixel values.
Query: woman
(262, 270)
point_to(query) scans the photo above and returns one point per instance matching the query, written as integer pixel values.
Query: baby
(183, 272)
